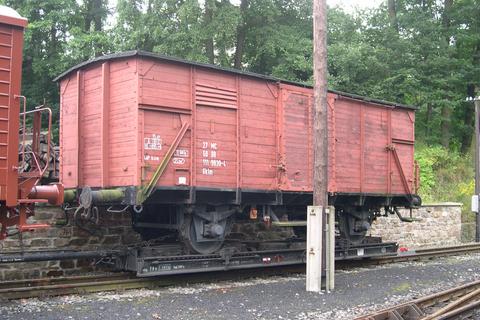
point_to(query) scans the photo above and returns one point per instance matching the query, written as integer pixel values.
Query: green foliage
(60, 33)
(430, 62)
(446, 175)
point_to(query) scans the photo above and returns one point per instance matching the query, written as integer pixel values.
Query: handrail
(24, 123)
(39, 110)
(391, 147)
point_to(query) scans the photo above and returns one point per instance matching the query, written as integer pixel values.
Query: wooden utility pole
(320, 121)
(316, 213)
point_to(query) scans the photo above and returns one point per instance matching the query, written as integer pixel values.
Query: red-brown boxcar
(11, 44)
(157, 132)
(18, 190)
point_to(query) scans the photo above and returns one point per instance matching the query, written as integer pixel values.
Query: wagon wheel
(190, 239)
(346, 226)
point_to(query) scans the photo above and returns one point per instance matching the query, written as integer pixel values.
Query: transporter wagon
(196, 150)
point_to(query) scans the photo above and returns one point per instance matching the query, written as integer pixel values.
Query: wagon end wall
(97, 127)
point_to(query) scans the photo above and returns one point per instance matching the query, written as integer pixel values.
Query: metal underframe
(192, 195)
(156, 260)
(147, 264)
(184, 195)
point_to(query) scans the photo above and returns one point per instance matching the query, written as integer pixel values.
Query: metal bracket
(402, 218)
(391, 147)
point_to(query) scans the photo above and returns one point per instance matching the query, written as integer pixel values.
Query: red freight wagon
(191, 145)
(11, 44)
(18, 189)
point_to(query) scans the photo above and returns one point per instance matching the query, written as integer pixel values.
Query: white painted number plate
(360, 252)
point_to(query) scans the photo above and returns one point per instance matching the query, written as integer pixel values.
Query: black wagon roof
(140, 53)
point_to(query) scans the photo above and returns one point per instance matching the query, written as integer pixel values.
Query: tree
(45, 45)
(209, 31)
(425, 60)
(392, 14)
(241, 34)
(423, 53)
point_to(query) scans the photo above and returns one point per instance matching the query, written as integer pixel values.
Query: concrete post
(331, 249)
(314, 248)
(477, 165)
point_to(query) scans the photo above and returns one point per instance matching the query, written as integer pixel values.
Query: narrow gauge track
(10, 290)
(461, 302)
(417, 255)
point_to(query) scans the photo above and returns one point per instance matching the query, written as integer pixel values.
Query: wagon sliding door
(161, 129)
(216, 136)
(296, 140)
(401, 151)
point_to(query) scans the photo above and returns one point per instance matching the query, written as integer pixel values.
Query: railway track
(124, 281)
(47, 287)
(461, 302)
(417, 255)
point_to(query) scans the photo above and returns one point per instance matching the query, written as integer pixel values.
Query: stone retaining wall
(440, 225)
(114, 230)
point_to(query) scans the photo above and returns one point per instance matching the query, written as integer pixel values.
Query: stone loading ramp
(431, 217)
(358, 292)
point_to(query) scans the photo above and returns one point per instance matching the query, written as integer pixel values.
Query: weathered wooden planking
(244, 132)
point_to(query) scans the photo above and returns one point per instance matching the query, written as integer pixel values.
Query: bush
(446, 175)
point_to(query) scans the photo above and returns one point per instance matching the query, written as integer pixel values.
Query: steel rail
(36, 256)
(421, 308)
(48, 287)
(460, 246)
(420, 254)
(17, 289)
(31, 283)
(462, 311)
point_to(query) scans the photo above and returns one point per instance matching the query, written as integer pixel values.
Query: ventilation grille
(215, 97)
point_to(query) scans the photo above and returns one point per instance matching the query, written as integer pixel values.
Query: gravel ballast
(357, 292)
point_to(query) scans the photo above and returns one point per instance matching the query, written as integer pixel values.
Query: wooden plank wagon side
(190, 146)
